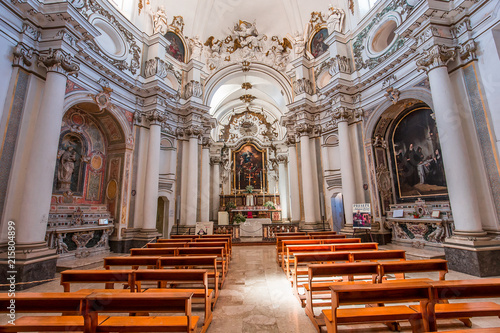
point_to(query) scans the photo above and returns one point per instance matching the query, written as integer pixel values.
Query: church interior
(249, 166)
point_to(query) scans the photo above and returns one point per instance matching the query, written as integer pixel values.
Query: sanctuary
(127, 120)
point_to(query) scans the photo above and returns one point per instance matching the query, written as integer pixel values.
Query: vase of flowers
(230, 205)
(249, 189)
(239, 218)
(269, 205)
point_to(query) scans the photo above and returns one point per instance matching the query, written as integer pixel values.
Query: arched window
(365, 6)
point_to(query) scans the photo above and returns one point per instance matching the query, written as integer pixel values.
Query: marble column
(37, 193)
(459, 177)
(215, 161)
(293, 180)
(193, 133)
(205, 182)
(152, 172)
(342, 116)
(34, 261)
(283, 179)
(308, 194)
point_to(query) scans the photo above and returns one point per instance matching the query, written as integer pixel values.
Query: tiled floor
(256, 297)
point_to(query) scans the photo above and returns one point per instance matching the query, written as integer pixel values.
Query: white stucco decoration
(383, 35)
(110, 41)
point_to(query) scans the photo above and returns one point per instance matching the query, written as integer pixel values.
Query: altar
(253, 227)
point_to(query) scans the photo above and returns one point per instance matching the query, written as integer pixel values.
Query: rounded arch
(421, 94)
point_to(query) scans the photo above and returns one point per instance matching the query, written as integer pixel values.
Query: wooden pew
(412, 266)
(166, 245)
(300, 270)
(197, 277)
(279, 246)
(298, 233)
(378, 255)
(209, 251)
(44, 303)
(174, 240)
(108, 277)
(285, 242)
(327, 236)
(318, 291)
(171, 302)
(340, 240)
(208, 263)
(184, 236)
(291, 250)
(443, 291)
(477, 330)
(214, 242)
(356, 247)
(228, 240)
(229, 237)
(373, 294)
(171, 251)
(134, 262)
(314, 233)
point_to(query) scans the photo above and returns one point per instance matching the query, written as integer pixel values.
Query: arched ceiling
(205, 18)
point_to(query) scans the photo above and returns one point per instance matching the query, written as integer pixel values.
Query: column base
(311, 226)
(473, 256)
(148, 234)
(33, 262)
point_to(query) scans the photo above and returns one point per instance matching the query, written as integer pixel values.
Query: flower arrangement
(269, 205)
(415, 214)
(230, 205)
(249, 189)
(239, 218)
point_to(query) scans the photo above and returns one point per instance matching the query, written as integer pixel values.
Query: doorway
(337, 204)
(162, 217)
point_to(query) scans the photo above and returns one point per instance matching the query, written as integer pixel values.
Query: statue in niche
(66, 167)
(334, 19)
(160, 24)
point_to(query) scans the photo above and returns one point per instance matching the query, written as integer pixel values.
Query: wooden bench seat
(378, 255)
(178, 302)
(300, 268)
(174, 240)
(400, 268)
(196, 278)
(374, 294)
(217, 238)
(208, 263)
(291, 250)
(108, 277)
(279, 245)
(327, 236)
(184, 236)
(314, 233)
(463, 289)
(166, 245)
(340, 240)
(477, 330)
(318, 291)
(209, 251)
(356, 247)
(134, 262)
(171, 251)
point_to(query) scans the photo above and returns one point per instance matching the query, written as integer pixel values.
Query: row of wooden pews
(342, 273)
(164, 279)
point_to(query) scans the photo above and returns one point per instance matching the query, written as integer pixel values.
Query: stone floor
(256, 297)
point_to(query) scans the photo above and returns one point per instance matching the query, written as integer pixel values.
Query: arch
(421, 94)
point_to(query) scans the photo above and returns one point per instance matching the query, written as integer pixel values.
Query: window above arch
(365, 5)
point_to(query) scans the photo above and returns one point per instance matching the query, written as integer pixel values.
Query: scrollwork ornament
(436, 56)
(22, 54)
(156, 117)
(468, 51)
(342, 113)
(58, 61)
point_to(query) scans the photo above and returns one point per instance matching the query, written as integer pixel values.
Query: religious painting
(416, 155)
(318, 45)
(249, 162)
(176, 48)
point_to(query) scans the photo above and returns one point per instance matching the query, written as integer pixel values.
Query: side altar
(243, 203)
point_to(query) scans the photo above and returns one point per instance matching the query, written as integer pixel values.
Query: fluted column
(293, 180)
(283, 179)
(215, 161)
(193, 133)
(456, 159)
(342, 116)
(205, 182)
(37, 192)
(308, 194)
(152, 171)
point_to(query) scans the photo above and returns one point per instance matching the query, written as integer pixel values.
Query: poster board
(361, 216)
(223, 218)
(204, 228)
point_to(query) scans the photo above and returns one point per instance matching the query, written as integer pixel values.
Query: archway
(337, 205)
(162, 217)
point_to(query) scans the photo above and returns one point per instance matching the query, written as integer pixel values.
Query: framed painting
(416, 154)
(249, 162)
(176, 48)
(317, 45)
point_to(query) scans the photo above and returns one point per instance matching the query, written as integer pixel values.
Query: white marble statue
(334, 19)
(66, 168)
(196, 47)
(160, 24)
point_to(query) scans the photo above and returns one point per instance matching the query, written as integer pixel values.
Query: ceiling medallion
(247, 98)
(246, 85)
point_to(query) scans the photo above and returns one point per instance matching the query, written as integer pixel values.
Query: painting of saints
(176, 48)
(318, 45)
(248, 168)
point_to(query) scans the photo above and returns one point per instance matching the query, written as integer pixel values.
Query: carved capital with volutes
(468, 51)
(215, 160)
(303, 129)
(342, 114)
(193, 131)
(58, 61)
(290, 140)
(282, 159)
(436, 56)
(22, 55)
(155, 117)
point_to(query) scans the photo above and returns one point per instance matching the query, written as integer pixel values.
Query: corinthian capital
(193, 131)
(58, 61)
(342, 113)
(215, 160)
(155, 117)
(282, 159)
(303, 129)
(436, 56)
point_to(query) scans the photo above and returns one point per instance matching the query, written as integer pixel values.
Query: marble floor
(256, 297)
